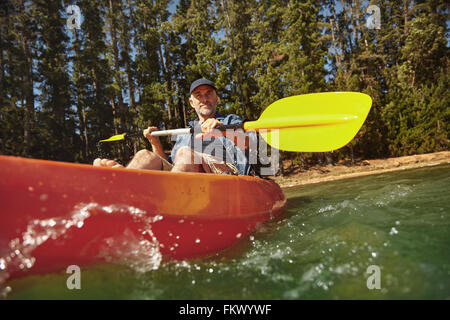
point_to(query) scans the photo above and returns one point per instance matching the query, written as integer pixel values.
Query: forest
(128, 64)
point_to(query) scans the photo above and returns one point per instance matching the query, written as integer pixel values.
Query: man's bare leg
(143, 159)
(187, 160)
(106, 163)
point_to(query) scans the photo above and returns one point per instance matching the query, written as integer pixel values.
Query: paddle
(315, 122)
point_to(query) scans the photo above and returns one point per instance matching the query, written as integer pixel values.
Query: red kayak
(56, 214)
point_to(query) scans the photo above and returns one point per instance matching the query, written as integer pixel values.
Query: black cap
(200, 82)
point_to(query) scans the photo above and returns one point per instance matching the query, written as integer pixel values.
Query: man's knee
(144, 154)
(183, 152)
(145, 159)
(186, 155)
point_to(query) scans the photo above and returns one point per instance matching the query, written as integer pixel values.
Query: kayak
(56, 214)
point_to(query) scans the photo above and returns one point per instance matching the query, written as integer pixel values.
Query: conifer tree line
(131, 62)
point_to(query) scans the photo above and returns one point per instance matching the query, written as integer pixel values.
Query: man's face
(204, 100)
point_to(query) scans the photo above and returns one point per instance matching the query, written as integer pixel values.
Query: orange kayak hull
(56, 214)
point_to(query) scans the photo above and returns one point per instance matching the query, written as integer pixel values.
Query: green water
(320, 249)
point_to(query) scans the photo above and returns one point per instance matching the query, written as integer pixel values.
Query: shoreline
(343, 170)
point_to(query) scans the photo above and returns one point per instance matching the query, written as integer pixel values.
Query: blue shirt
(222, 147)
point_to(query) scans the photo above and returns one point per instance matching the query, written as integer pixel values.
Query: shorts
(218, 166)
(215, 165)
(166, 165)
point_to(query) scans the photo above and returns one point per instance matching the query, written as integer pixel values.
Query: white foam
(140, 253)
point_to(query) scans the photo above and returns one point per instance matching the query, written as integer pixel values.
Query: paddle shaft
(182, 131)
(159, 133)
(301, 121)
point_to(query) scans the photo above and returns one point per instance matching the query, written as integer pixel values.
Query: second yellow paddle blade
(316, 122)
(117, 137)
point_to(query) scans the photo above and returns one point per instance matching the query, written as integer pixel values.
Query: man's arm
(155, 142)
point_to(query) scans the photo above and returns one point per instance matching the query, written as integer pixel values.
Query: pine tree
(235, 22)
(417, 110)
(11, 106)
(114, 63)
(152, 95)
(126, 36)
(56, 119)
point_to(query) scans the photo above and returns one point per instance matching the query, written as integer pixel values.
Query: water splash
(381, 198)
(140, 252)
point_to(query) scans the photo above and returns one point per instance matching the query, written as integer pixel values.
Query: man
(214, 153)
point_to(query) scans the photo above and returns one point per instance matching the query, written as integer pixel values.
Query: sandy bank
(344, 169)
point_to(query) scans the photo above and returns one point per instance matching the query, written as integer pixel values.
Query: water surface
(320, 248)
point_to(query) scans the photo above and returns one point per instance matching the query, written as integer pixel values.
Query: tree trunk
(81, 108)
(405, 17)
(329, 159)
(29, 112)
(119, 110)
(2, 69)
(351, 154)
(168, 80)
(125, 37)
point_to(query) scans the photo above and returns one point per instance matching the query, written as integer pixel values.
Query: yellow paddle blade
(117, 137)
(316, 122)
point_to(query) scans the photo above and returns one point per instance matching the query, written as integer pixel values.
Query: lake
(384, 236)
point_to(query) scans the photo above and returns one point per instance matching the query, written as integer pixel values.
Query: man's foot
(106, 163)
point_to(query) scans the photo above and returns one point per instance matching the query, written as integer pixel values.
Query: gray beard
(207, 113)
